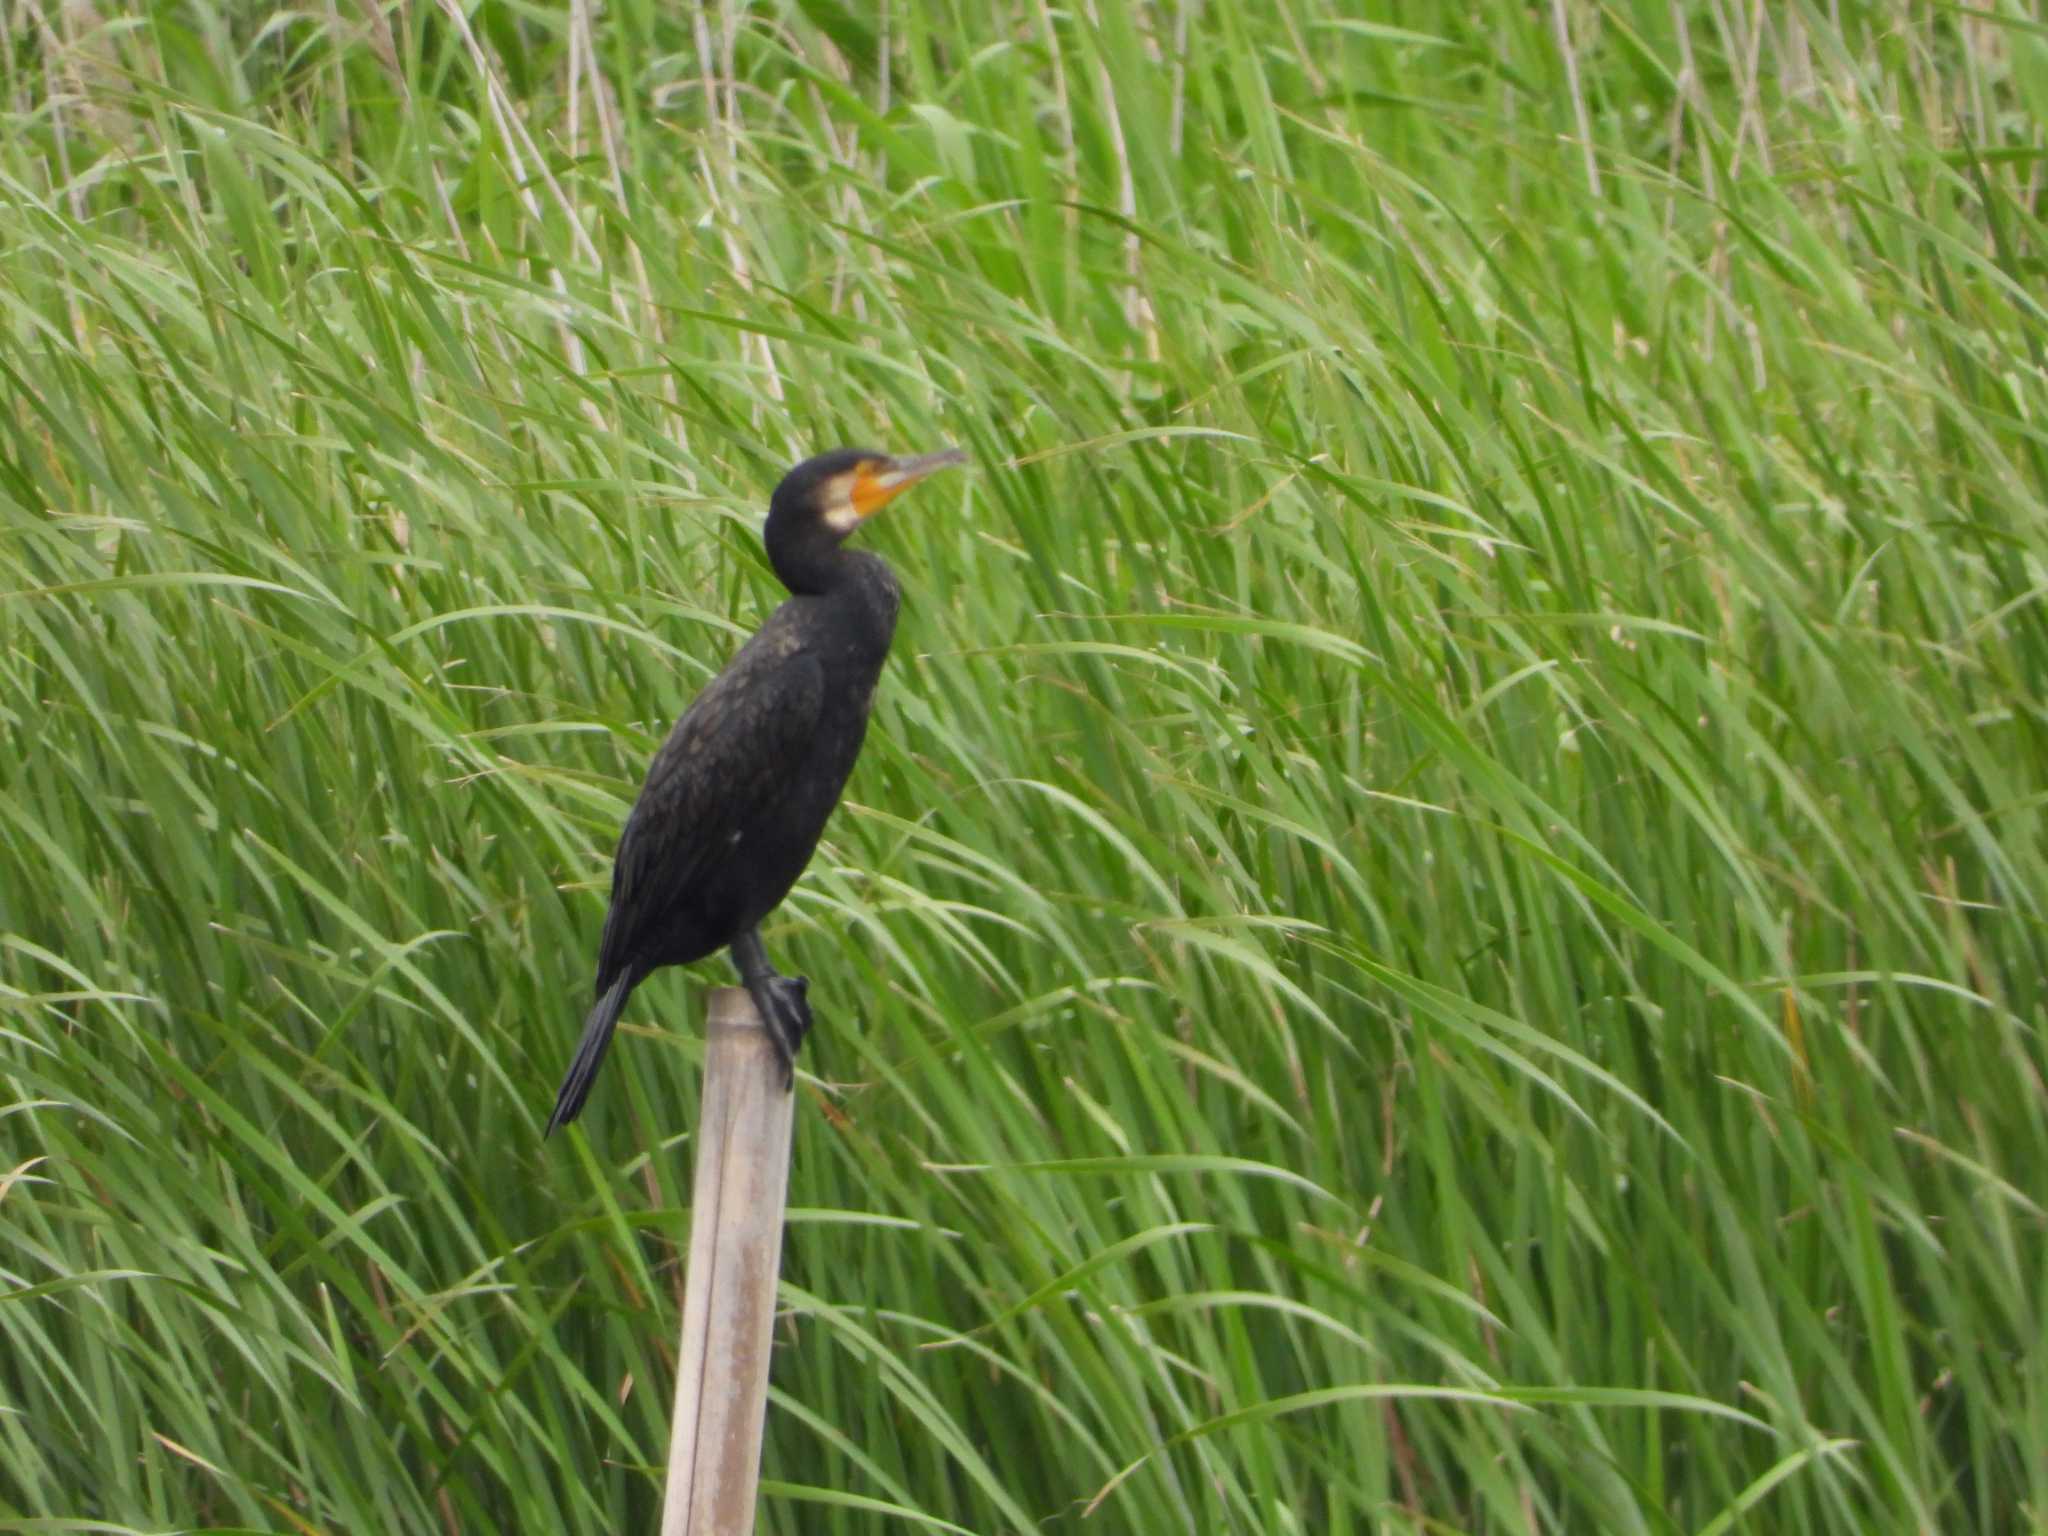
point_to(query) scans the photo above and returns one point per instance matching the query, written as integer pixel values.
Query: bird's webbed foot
(786, 1011)
(782, 1002)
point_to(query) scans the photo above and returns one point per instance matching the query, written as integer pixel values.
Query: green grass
(1442, 928)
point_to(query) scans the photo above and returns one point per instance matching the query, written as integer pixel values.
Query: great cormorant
(738, 795)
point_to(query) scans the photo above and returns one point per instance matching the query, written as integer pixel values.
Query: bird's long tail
(597, 1037)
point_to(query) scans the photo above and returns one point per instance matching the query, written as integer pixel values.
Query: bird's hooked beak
(880, 481)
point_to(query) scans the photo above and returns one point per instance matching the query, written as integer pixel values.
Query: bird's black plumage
(739, 794)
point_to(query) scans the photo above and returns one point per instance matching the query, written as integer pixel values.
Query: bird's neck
(861, 598)
(806, 559)
(808, 572)
(820, 569)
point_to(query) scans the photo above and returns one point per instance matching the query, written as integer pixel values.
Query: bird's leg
(779, 999)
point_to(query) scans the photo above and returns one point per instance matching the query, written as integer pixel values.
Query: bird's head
(826, 498)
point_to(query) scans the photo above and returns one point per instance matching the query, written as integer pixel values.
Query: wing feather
(714, 774)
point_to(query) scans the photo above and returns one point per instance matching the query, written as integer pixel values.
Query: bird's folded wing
(722, 765)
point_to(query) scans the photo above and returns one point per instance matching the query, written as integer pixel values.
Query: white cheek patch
(841, 516)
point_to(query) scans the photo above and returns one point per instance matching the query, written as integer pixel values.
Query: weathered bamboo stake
(714, 1448)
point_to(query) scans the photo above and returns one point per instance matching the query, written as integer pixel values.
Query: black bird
(738, 795)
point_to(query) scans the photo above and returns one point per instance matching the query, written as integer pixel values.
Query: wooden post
(714, 1448)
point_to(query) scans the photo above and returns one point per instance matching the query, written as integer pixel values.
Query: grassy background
(1442, 929)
